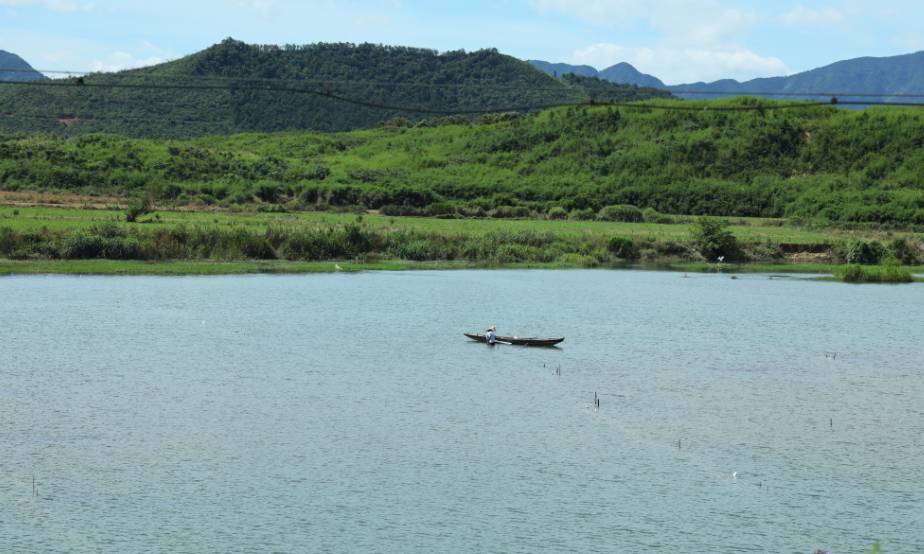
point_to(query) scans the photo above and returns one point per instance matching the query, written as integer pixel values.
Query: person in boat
(491, 334)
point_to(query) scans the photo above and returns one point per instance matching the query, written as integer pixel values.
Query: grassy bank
(74, 240)
(35, 218)
(206, 268)
(130, 267)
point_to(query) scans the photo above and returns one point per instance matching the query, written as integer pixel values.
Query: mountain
(560, 69)
(889, 76)
(886, 78)
(622, 73)
(14, 68)
(625, 73)
(237, 87)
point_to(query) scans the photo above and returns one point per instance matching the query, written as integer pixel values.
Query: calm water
(335, 413)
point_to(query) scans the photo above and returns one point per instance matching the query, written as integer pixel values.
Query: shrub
(437, 209)
(82, 246)
(651, 215)
(417, 250)
(903, 251)
(620, 212)
(623, 248)
(585, 214)
(139, 207)
(889, 272)
(393, 210)
(267, 192)
(519, 212)
(8, 241)
(714, 240)
(318, 173)
(557, 212)
(862, 252)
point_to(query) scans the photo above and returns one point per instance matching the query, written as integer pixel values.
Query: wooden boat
(520, 341)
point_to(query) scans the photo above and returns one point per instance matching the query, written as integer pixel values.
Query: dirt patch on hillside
(59, 200)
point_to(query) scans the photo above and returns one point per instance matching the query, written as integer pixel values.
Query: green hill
(818, 163)
(235, 87)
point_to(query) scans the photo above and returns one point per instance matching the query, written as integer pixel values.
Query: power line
(293, 90)
(801, 94)
(499, 86)
(324, 82)
(230, 87)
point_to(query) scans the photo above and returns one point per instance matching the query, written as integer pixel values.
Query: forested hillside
(236, 87)
(815, 163)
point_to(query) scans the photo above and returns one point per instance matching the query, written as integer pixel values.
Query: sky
(677, 41)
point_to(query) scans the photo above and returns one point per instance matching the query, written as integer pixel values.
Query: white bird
(337, 267)
(735, 475)
(721, 259)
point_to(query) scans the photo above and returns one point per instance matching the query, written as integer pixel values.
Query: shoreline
(254, 267)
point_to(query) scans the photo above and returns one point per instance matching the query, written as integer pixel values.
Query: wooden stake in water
(34, 491)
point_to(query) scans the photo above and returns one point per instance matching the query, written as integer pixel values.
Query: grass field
(745, 229)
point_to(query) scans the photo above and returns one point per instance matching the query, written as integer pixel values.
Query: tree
(714, 240)
(139, 207)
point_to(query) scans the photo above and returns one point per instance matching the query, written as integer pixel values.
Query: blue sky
(678, 41)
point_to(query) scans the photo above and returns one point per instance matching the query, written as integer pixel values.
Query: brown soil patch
(812, 258)
(59, 200)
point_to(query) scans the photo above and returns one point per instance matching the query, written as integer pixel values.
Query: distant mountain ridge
(562, 69)
(889, 77)
(626, 73)
(14, 68)
(622, 73)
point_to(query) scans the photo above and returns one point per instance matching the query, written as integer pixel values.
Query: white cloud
(65, 6)
(373, 20)
(688, 41)
(609, 11)
(118, 61)
(800, 15)
(263, 7)
(684, 65)
(912, 42)
(707, 22)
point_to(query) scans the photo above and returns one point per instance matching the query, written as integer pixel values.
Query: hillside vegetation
(234, 87)
(816, 163)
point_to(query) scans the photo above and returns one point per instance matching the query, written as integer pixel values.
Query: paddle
(502, 342)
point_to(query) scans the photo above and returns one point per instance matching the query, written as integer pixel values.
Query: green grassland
(746, 229)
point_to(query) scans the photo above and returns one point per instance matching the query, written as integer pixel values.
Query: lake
(346, 412)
